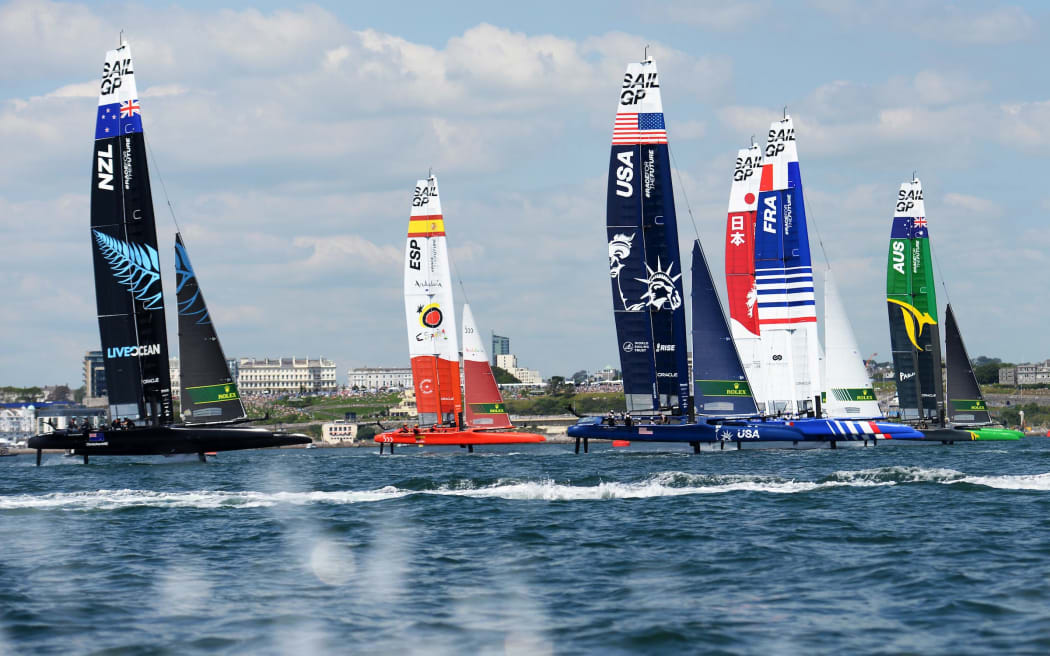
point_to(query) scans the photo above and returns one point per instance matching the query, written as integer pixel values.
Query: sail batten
(645, 266)
(128, 286)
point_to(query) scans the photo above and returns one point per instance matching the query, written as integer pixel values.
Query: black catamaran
(915, 336)
(130, 301)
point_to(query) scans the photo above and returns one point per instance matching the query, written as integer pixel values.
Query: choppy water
(531, 551)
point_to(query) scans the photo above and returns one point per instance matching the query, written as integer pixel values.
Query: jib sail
(484, 404)
(720, 385)
(912, 305)
(644, 263)
(849, 390)
(965, 402)
(209, 393)
(128, 289)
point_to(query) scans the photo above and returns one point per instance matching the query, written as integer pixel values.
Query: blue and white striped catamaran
(645, 271)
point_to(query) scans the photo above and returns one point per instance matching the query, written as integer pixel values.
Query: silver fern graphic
(193, 306)
(135, 266)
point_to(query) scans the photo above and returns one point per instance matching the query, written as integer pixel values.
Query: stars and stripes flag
(644, 431)
(639, 129)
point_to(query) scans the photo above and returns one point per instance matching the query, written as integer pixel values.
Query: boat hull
(997, 434)
(164, 440)
(949, 435)
(738, 434)
(456, 437)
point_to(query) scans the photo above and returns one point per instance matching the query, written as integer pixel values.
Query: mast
(484, 404)
(644, 263)
(128, 289)
(850, 392)
(911, 302)
(784, 279)
(965, 401)
(429, 311)
(720, 385)
(740, 260)
(209, 393)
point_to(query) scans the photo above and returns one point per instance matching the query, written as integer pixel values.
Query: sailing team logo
(430, 316)
(914, 321)
(193, 306)
(751, 301)
(619, 250)
(135, 266)
(662, 290)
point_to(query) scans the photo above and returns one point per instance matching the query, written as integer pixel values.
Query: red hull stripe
(453, 438)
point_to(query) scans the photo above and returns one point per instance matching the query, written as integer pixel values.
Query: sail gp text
(634, 87)
(113, 75)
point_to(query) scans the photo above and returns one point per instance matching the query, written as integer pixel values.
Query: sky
(288, 139)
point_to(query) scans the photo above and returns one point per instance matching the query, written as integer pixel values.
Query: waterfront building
(373, 378)
(1025, 374)
(285, 376)
(500, 346)
(94, 379)
(406, 409)
(509, 363)
(339, 431)
(608, 373)
(176, 376)
(17, 422)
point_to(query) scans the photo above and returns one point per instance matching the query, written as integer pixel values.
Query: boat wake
(664, 484)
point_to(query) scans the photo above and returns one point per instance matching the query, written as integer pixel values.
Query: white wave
(1016, 482)
(894, 475)
(115, 499)
(663, 484)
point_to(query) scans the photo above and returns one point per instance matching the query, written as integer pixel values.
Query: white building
(17, 424)
(1025, 374)
(379, 377)
(406, 409)
(509, 363)
(175, 372)
(285, 376)
(339, 431)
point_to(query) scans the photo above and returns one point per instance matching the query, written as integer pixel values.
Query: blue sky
(290, 137)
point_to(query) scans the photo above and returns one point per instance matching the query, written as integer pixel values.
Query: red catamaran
(433, 347)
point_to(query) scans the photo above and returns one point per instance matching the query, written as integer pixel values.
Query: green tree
(503, 377)
(987, 372)
(555, 385)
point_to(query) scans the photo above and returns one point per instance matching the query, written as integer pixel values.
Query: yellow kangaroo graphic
(912, 316)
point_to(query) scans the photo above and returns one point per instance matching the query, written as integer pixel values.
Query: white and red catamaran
(434, 349)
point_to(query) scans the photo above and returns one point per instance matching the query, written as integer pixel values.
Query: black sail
(209, 393)
(128, 288)
(720, 385)
(965, 402)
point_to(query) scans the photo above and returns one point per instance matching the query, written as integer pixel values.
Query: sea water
(531, 550)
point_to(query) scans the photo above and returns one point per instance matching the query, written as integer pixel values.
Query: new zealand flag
(118, 118)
